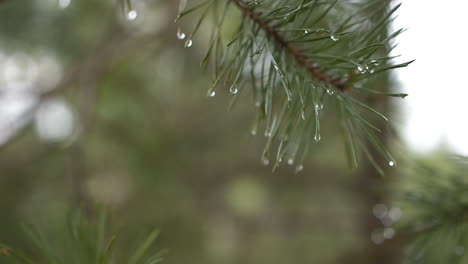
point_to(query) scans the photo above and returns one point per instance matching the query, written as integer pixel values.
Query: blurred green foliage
(148, 145)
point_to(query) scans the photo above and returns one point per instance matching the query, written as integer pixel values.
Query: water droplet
(299, 168)
(391, 163)
(290, 161)
(303, 115)
(265, 161)
(334, 37)
(317, 137)
(375, 62)
(211, 93)
(372, 71)
(388, 233)
(132, 15)
(180, 34)
(234, 89)
(319, 106)
(363, 69)
(188, 43)
(253, 132)
(307, 31)
(330, 92)
(258, 104)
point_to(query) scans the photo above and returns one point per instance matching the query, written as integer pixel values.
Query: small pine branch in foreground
(83, 241)
(299, 59)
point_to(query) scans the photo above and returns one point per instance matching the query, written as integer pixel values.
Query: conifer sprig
(302, 57)
(435, 206)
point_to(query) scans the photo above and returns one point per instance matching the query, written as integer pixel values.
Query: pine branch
(435, 205)
(299, 56)
(296, 64)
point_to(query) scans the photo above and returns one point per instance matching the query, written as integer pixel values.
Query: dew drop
(317, 137)
(290, 162)
(180, 34)
(375, 62)
(265, 161)
(234, 89)
(132, 15)
(334, 37)
(188, 43)
(253, 132)
(299, 168)
(319, 106)
(211, 93)
(258, 104)
(330, 92)
(391, 163)
(363, 69)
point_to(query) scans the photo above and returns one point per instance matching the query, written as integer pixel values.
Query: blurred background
(100, 105)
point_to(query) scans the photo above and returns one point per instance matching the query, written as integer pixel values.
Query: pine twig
(270, 30)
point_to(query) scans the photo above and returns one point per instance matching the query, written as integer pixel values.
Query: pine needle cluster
(300, 58)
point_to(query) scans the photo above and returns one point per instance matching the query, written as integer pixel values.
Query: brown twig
(315, 72)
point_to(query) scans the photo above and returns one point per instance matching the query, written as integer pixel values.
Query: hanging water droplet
(317, 137)
(363, 69)
(234, 89)
(132, 15)
(211, 93)
(391, 163)
(299, 168)
(375, 62)
(290, 161)
(334, 37)
(253, 132)
(372, 71)
(330, 92)
(188, 43)
(265, 161)
(180, 34)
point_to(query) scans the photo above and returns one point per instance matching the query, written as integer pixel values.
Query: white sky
(437, 108)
